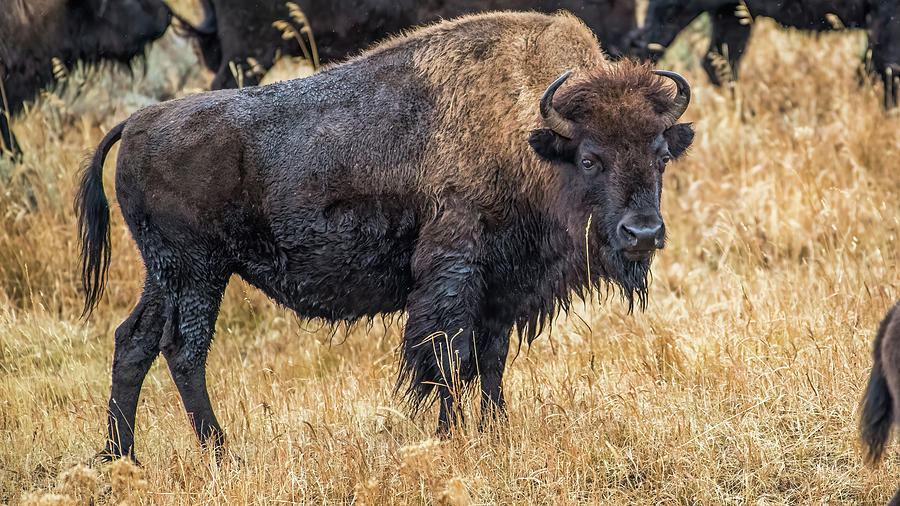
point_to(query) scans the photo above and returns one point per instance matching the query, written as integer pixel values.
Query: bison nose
(640, 238)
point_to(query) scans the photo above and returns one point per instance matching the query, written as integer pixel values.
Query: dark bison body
(881, 401)
(33, 32)
(666, 18)
(234, 31)
(435, 174)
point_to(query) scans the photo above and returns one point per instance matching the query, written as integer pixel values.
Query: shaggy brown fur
(418, 177)
(881, 401)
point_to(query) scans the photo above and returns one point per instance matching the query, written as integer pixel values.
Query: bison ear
(551, 146)
(679, 138)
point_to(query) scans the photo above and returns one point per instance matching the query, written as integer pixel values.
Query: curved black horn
(552, 118)
(682, 95)
(208, 25)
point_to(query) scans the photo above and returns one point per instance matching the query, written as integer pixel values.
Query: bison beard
(452, 186)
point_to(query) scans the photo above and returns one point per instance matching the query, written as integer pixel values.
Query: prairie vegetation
(739, 383)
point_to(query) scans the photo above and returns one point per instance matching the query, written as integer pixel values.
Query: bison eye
(587, 163)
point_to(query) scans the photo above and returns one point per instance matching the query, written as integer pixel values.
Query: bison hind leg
(192, 312)
(136, 347)
(192, 270)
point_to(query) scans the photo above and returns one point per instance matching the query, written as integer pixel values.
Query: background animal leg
(8, 142)
(890, 77)
(727, 44)
(437, 351)
(137, 345)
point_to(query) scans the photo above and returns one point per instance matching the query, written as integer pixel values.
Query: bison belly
(347, 260)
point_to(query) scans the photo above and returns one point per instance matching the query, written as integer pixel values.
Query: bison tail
(92, 209)
(877, 404)
(875, 422)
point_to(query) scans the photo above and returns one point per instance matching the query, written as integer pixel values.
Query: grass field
(738, 385)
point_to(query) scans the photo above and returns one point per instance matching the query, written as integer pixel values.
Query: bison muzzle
(440, 174)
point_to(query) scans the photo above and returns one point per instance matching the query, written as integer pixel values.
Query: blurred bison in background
(240, 34)
(881, 401)
(731, 22)
(34, 32)
(453, 173)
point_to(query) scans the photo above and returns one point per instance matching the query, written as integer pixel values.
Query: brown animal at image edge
(880, 405)
(470, 215)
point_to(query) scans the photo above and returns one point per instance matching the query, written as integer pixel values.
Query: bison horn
(552, 118)
(206, 27)
(682, 96)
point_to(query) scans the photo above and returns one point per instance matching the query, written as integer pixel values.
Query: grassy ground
(738, 385)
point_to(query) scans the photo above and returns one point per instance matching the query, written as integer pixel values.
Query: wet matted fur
(421, 176)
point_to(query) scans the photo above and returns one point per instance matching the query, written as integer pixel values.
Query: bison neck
(537, 268)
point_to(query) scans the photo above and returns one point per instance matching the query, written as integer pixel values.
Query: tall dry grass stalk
(739, 384)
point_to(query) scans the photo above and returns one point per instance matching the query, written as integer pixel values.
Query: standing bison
(881, 402)
(33, 32)
(234, 31)
(731, 29)
(474, 174)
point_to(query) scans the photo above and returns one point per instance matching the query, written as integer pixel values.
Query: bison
(234, 31)
(34, 32)
(880, 407)
(731, 29)
(476, 174)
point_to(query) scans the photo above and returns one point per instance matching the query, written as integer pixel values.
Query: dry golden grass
(739, 384)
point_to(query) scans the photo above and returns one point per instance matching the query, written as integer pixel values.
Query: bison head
(610, 136)
(117, 29)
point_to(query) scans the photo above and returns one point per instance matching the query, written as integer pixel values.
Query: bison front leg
(437, 349)
(492, 340)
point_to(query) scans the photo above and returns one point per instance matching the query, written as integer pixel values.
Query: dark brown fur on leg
(492, 362)
(438, 346)
(186, 341)
(137, 345)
